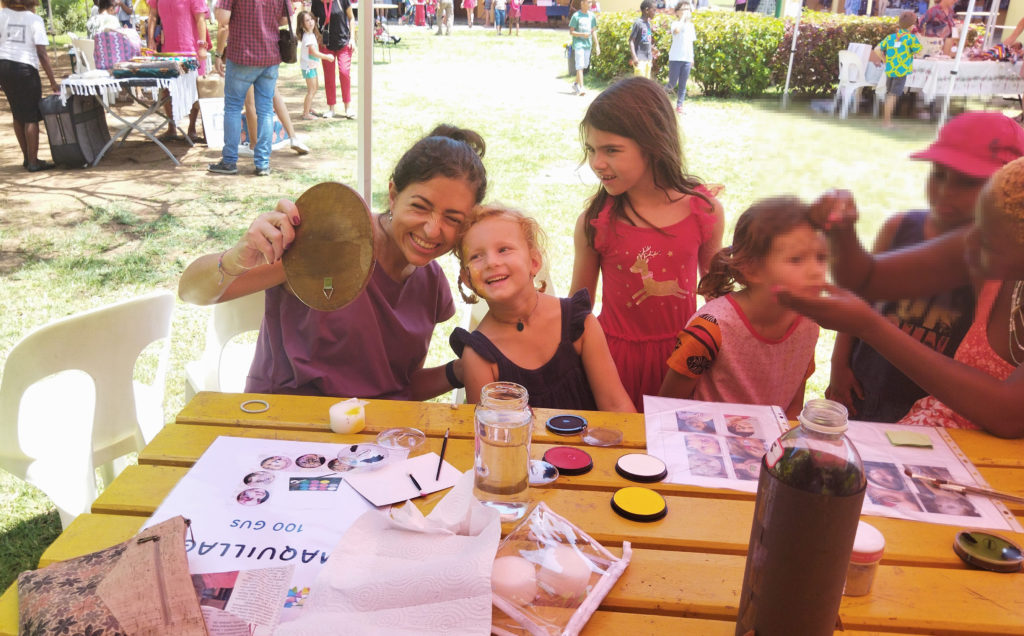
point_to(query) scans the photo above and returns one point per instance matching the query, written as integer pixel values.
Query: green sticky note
(908, 438)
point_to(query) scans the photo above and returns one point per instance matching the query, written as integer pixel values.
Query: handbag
(287, 43)
(141, 586)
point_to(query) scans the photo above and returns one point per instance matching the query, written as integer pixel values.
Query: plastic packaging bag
(549, 576)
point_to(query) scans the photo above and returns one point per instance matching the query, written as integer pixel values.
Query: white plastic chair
(69, 404)
(85, 54)
(851, 81)
(478, 310)
(224, 365)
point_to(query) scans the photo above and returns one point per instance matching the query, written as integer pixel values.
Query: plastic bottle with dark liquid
(809, 498)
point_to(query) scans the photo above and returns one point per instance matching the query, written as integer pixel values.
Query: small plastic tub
(867, 553)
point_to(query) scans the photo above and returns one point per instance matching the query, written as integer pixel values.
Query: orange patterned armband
(696, 347)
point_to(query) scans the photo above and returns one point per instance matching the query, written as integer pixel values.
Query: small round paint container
(569, 460)
(405, 440)
(639, 504)
(542, 473)
(363, 455)
(868, 547)
(597, 436)
(566, 424)
(988, 551)
(641, 467)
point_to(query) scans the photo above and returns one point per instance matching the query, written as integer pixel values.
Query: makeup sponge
(564, 573)
(515, 579)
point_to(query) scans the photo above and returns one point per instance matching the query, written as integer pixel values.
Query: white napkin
(408, 574)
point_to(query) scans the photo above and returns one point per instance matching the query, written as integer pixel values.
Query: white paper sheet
(258, 503)
(391, 484)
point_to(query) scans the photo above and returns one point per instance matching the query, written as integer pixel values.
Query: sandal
(311, 116)
(196, 139)
(168, 137)
(349, 117)
(39, 167)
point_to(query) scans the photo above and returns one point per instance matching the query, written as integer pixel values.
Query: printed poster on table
(720, 445)
(261, 503)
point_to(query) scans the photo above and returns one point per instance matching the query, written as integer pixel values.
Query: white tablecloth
(975, 79)
(182, 88)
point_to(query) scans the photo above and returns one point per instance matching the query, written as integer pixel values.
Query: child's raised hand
(834, 210)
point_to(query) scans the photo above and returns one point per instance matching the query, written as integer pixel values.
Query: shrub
(70, 15)
(733, 52)
(822, 36)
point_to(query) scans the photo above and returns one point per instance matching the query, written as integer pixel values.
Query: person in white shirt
(22, 50)
(680, 56)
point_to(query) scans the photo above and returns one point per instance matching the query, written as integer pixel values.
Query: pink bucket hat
(976, 144)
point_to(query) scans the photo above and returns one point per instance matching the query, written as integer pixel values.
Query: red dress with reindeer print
(648, 289)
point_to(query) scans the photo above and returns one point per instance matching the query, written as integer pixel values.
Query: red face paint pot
(569, 460)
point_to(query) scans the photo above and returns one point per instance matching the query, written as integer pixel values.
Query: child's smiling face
(498, 263)
(308, 23)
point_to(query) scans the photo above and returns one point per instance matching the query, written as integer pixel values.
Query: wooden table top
(687, 569)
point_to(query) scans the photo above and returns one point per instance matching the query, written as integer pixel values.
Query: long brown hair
(638, 108)
(752, 240)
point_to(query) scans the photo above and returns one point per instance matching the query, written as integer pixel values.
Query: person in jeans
(250, 58)
(680, 56)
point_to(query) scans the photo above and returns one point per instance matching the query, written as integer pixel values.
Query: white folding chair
(224, 364)
(851, 81)
(69, 403)
(477, 311)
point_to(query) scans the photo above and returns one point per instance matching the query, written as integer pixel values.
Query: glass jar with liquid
(501, 459)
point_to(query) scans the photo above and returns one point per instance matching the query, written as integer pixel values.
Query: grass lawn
(74, 240)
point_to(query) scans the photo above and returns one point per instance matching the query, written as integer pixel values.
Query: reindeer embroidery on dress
(653, 287)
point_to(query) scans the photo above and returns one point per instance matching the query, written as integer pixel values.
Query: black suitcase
(77, 131)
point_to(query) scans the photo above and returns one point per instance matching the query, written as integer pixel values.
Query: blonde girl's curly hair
(752, 240)
(1007, 187)
(532, 232)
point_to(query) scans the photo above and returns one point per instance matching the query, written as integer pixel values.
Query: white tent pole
(792, 53)
(956, 63)
(364, 112)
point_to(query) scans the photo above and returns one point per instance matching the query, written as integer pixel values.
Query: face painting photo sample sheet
(260, 503)
(720, 445)
(711, 444)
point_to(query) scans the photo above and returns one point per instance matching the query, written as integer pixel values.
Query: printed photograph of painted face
(746, 469)
(252, 496)
(901, 500)
(705, 444)
(336, 465)
(884, 475)
(258, 477)
(745, 448)
(277, 462)
(310, 460)
(949, 504)
(690, 422)
(706, 465)
(933, 472)
(741, 425)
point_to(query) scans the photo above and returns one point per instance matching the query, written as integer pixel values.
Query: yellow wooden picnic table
(687, 568)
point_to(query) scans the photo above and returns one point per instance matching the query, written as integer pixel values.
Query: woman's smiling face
(426, 215)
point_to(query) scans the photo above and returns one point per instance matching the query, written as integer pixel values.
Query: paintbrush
(952, 486)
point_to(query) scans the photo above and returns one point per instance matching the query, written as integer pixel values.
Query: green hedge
(745, 54)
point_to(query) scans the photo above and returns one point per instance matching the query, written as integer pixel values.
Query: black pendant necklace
(519, 325)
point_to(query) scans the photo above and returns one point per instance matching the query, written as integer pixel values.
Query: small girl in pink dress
(515, 10)
(743, 346)
(647, 232)
(469, 6)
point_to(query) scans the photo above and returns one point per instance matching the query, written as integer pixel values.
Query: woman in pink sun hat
(982, 386)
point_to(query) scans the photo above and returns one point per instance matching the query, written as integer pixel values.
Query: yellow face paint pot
(639, 504)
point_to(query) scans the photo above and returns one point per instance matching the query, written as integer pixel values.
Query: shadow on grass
(23, 544)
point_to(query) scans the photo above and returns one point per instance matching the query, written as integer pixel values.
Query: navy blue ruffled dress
(561, 382)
